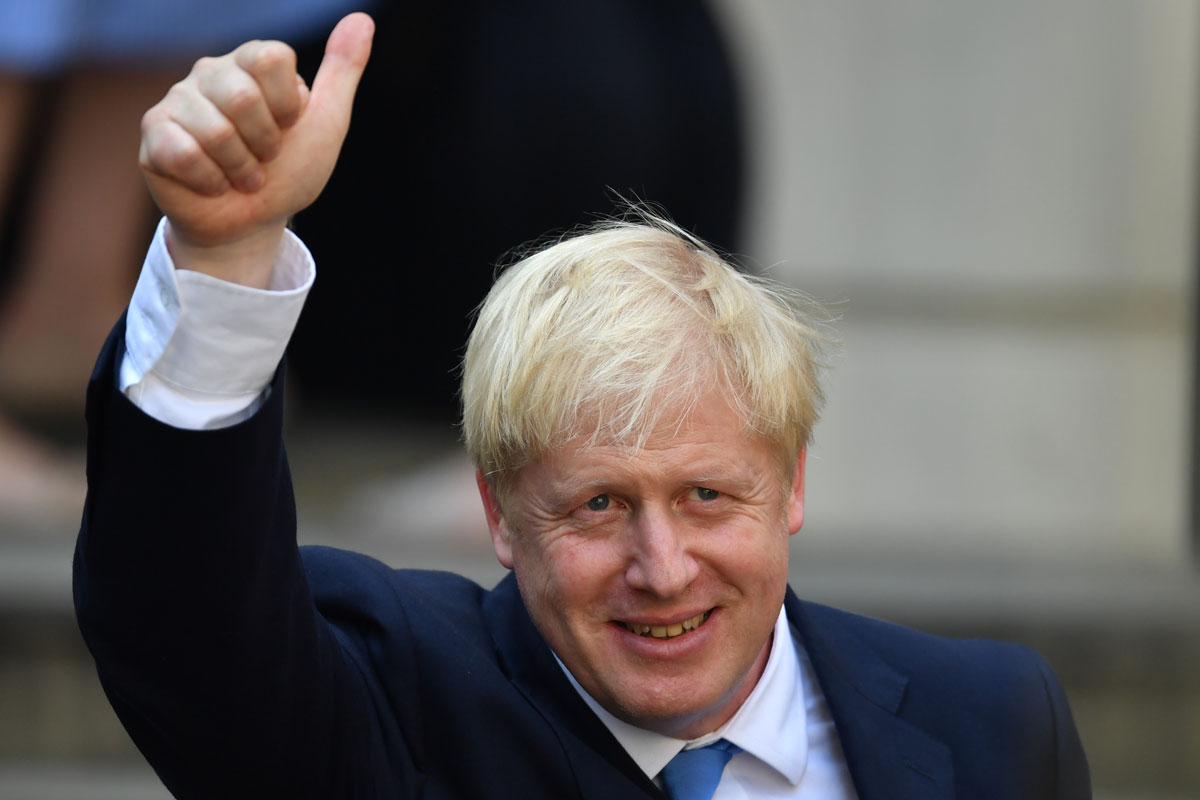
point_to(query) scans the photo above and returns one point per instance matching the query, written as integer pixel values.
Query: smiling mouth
(668, 631)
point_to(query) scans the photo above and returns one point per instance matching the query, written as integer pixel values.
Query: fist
(241, 143)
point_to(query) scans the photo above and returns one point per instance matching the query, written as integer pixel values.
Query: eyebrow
(561, 490)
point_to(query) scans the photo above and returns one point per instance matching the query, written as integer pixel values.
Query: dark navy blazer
(243, 666)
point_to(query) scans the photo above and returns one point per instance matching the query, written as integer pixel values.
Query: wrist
(248, 260)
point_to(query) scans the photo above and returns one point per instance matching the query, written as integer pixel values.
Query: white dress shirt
(200, 354)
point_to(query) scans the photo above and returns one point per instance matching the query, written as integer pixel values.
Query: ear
(795, 500)
(501, 542)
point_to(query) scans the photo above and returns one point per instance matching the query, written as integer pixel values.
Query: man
(638, 411)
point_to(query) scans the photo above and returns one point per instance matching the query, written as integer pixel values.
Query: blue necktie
(694, 774)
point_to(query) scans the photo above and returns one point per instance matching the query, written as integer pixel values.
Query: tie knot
(694, 774)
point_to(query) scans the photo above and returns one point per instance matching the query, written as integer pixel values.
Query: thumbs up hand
(241, 144)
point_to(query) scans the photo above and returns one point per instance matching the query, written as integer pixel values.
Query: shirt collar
(771, 725)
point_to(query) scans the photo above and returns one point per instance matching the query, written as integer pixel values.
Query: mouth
(668, 631)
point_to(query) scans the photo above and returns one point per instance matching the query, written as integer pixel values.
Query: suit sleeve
(191, 595)
(1071, 774)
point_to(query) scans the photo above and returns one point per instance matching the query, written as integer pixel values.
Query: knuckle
(272, 56)
(151, 120)
(242, 99)
(221, 135)
(204, 64)
(179, 97)
(247, 48)
(182, 154)
(177, 93)
(174, 155)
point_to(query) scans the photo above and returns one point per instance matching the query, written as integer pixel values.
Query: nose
(661, 563)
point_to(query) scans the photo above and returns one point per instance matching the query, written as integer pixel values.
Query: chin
(675, 710)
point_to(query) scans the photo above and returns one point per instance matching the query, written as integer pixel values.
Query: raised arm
(189, 588)
(241, 144)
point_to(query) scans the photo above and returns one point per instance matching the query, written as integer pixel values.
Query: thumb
(346, 55)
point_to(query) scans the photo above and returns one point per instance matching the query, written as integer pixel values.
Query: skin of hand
(241, 144)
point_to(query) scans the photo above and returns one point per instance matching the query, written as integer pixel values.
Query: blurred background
(997, 200)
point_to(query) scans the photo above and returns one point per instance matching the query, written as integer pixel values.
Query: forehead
(708, 440)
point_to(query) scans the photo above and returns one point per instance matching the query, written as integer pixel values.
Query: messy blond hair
(601, 334)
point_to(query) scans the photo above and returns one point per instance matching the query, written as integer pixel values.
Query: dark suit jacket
(244, 666)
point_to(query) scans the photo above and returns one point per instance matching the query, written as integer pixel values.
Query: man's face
(656, 575)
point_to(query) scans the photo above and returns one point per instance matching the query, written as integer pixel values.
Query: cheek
(755, 553)
(565, 577)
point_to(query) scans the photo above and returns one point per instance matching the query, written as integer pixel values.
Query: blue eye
(706, 494)
(598, 503)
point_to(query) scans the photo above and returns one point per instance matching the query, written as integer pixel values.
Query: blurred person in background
(75, 78)
(507, 120)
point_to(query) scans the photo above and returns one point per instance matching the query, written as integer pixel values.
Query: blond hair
(606, 331)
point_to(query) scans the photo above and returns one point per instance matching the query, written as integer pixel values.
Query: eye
(598, 503)
(705, 494)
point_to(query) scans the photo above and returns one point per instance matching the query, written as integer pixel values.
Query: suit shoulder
(894, 638)
(997, 705)
(973, 670)
(347, 584)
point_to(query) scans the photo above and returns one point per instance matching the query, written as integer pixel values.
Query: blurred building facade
(999, 201)
(1002, 194)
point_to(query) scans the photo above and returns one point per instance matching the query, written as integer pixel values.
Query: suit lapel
(888, 758)
(601, 766)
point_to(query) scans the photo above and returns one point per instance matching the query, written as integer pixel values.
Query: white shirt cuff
(200, 352)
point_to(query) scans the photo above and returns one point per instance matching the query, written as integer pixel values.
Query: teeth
(667, 631)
